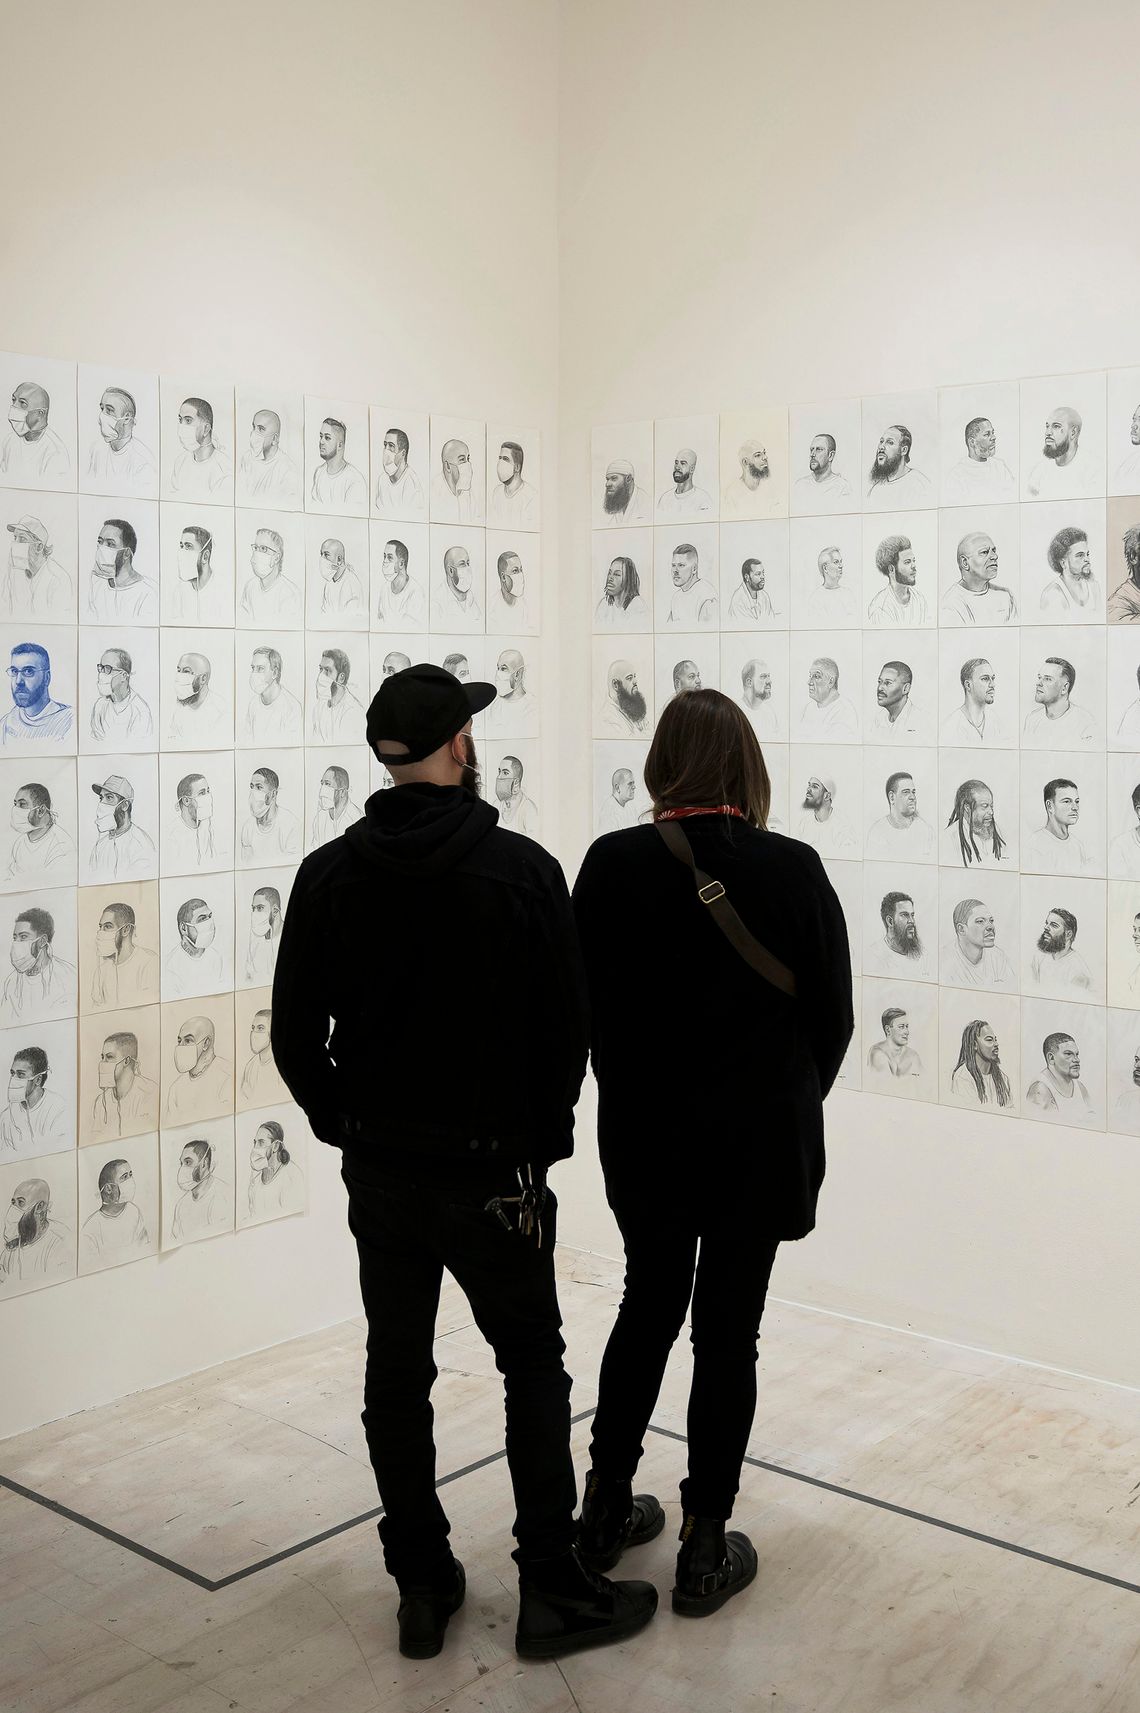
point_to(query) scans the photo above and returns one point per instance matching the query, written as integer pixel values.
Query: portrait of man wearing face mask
(41, 846)
(265, 922)
(460, 606)
(206, 1203)
(276, 1182)
(34, 583)
(117, 591)
(118, 462)
(35, 1119)
(338, 486)
(122, 850)
(336, 810)
(120, 715)
(268, 596)
(196, 963)
(39, 984)
(272, 833)
(507, 608)
(35, 716)
(116, 1231)
(192, 833)
(341, 589)
(516, 810)
(399, 491)
(202, 466)
(454, 499)
(204, 1086)
(126, 1103)
(32, 455)
(273, 714)
(200, 716)
(35, 1246)
(125, 972)
(513, 501)
(402, 601)
(197, 595)
(261, 1083)
(266, 471)
(514, 712)
(337, 715)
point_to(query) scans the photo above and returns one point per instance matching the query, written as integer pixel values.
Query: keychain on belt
(529, 1201)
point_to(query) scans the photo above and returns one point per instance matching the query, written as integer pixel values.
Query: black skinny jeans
(406, 1235)
(664, 1227)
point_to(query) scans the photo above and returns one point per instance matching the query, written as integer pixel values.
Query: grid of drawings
(201, 586)
(929, 607)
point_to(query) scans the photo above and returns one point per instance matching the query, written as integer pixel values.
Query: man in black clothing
(444, 1167)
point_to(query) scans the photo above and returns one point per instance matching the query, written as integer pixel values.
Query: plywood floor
(879, 1460)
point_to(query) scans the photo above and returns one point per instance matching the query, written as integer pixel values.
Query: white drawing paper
(196, 565)
(38, 1214)
(979, 567)
(900, 921)
(1063, 563)
(1063, 938)
(336, 573)
(621, 583)
(261, 897)
(39, 980)
(269, 558)
(1063, 688)
(900, 452)
(825, 457)
(458, 462)
(196, 812)
(37, 1117)
(979, 931)
(336, 790)
(512, 784)
(399, 571)
(754, 671)
(1063, 434)
(514, 478)
(1062, 813)
(900, 1039)
(336, 687)
(38, 438)
(119, 963)
(196, 683)
(400, 464)
(1063, 1063)
(684, 663)
(900, 571)
(197, 1163)
(825, 681)
(197, 935)
(39, 556)
(514, 583)
(119, 1211)
(270, 802)
(197, 439)
(336, 457)
(623, 697)
(686, 470)
(119, 1072)
(118, 818)
(620, 798)
(118, 431)
(826, 799)
(119, 560)
(979, 821)
(900, 805)
(755, 576)
(621, 475)
(980, 704)
(686, 578)
(38, 804)
(269, 670)
(900, 694)
(269, 435)
(980, 1040)
(979, 431)
(827, 572)
(754, 463)
(457, 599)
(272, 1164)
(118, 702)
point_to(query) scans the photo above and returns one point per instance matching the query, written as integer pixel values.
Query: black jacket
(441, 948)
(703, 1067)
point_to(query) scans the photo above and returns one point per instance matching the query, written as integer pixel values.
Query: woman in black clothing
(710, 1123)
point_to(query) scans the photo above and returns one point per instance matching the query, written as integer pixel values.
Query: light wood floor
(856, 1607)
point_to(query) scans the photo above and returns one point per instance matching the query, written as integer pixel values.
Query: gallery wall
(258, 214)
(785, 207)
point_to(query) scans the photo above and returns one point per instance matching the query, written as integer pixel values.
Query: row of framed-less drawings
(106, 429)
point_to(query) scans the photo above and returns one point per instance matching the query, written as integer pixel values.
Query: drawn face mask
(201, 934)
(187, 562)
(188, 436)
(21, 818)
(19, 1088)
(258, 800)
(12, 1224)
(106, 560)
(329, 568)
(259, 1155)
(125, 1188)
(260, 922)
(462, 576)
(110, 424)
(18, 420)
(516, 586)
(183, 686)
(263, 562)
(257, 442)
(259, 679)
(186, 1178)
(505, 468)
(105, 818)
(23, 954)
(389, 459)
(20, 556)
(326, 797)
(324, 688)
(203, 806)
(107, 1073)
(259, 1036)
(463, 478)
(186, 1055)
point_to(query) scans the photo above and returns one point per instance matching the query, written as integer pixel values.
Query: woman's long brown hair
(704, 753)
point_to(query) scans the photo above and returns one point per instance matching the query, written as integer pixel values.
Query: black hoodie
(440, 949)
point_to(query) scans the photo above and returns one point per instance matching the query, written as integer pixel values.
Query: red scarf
(711, 809)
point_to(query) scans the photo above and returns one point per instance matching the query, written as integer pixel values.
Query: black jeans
(406, 1234)
(663, 1227)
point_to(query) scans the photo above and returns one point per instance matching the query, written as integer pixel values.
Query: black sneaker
(564, 1607)
(424, 1610)
(711, 1567)
(614, 1518)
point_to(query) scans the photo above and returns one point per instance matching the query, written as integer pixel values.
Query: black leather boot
(613, 1518)
(711, 1567)
(564, 1607)
(425, 1608)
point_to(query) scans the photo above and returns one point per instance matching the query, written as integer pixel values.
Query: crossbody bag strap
(712, 893)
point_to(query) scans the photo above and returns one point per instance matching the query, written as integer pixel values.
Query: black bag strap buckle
(712, 893)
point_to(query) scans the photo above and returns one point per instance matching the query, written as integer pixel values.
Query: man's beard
(1047, 942)
(632, 704)
(1056, 451)
(884, 471)
(617, 502)
(812, 803)
(907, 942)
(759, 472)
(472, 775)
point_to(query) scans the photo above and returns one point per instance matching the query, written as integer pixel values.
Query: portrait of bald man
(456, 594)
(822, 487)
(203, 1084)
(458, 483)
(1066, 467)
(618, 808)
(199, 715)
(32, 453)
(685, 497)
(756, 487)
(119, 427)
(978, 598)
(514, 712)
(267, 475)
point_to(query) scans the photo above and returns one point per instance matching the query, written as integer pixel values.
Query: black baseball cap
(422, 707)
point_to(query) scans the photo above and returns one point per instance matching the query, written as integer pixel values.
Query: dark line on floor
(213, 1585)
(924, 1517)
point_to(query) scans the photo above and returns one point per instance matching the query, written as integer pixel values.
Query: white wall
(761, 203)
(356, 201)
